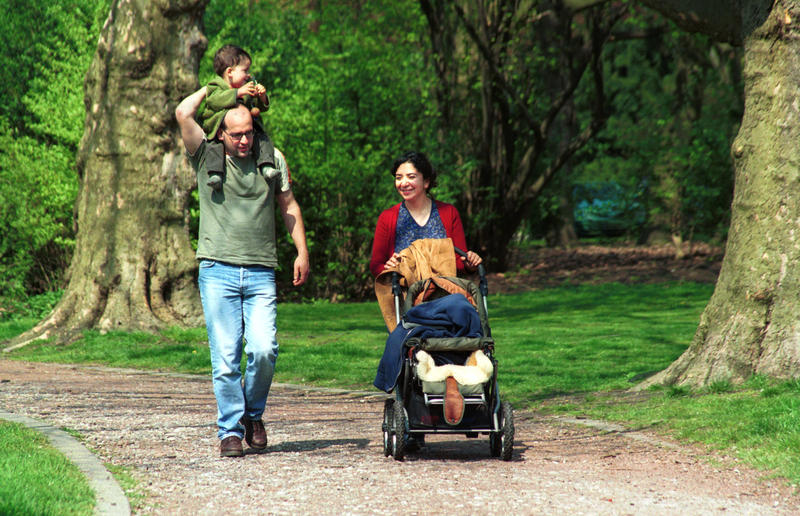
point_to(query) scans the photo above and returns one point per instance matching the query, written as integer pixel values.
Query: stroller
(446, 385)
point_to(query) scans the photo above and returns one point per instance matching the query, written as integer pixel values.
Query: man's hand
(300, 270)
(261, 93)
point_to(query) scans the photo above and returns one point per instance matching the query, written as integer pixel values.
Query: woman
(417, 216)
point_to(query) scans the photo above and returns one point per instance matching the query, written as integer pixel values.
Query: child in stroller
(439, 357)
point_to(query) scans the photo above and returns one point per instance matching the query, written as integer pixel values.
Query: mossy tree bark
(133, 266)
(750, 325)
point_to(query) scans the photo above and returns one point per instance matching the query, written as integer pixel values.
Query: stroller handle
(483, 284)
(397, 292)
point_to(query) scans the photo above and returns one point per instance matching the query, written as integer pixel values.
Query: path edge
(110, 499)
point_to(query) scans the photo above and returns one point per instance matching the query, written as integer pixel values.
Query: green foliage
(34, 307)
(39, 184)
(676, 103)
(47, 49)
(351, 88)
(37, 479)
(348, 90)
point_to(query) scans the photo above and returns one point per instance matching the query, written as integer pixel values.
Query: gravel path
(325, 456)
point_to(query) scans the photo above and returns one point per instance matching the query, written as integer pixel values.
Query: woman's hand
(472, 260)
(393, 261)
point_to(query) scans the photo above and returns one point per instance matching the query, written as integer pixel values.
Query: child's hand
(261, 93)
(247, 89)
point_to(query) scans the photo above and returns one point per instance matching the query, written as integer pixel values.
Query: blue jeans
(239, 303)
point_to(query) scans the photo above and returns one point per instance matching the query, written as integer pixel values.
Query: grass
(134, 491)
(549, 342)
(574, 340)
(37, 479)
(179, 350)
(758, 422)
(569, 349)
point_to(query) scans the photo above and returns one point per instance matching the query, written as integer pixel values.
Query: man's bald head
(236, 132)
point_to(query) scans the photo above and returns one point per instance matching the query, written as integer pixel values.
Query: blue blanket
(448, 316)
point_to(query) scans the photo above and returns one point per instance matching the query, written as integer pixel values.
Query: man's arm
(191, 132)
(293, 219)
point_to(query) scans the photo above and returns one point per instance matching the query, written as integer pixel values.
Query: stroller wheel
(399, 436)
(507, 435)
(501, 443)
(388, 422)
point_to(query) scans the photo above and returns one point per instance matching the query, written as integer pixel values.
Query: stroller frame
(412, 413)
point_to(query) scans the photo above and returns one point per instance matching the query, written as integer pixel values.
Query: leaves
(41, 121)
(347, 89)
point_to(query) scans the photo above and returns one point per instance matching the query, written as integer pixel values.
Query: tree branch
(487, 56)
(720, 19)
(589, 53)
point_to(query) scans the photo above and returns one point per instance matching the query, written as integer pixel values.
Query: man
(237, 252)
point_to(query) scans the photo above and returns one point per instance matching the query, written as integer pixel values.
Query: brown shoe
(254, 433)
(231, 446)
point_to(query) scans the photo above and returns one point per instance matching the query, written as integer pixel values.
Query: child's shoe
(215, 182)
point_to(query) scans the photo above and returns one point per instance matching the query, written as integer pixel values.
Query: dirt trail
(325, 456)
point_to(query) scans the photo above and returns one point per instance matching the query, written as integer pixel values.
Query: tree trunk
(133, 266)
(560, 226)
(750, 325)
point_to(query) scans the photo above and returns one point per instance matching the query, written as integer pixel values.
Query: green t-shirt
(237, 223)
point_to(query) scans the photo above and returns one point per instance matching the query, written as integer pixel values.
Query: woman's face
(409, 183)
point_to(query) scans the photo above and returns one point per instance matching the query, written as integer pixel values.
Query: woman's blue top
(408, 230)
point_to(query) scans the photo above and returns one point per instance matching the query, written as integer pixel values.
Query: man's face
(237, 136)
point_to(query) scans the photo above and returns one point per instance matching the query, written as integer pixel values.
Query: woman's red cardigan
(383, 243)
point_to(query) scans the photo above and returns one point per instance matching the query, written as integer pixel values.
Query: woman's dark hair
(420, 162)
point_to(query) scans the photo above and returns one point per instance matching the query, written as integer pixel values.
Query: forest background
(639, 117)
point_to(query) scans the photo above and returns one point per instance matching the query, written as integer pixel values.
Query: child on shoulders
(233, 85)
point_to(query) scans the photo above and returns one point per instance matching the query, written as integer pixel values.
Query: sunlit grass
(758, 422)
(568, 349)
(37, 479)
(551, 341)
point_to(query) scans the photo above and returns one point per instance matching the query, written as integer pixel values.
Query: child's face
(237, 76)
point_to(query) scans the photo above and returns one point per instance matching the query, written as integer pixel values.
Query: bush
(36, 248)
(41, 122)
(346, 98)
(34, 307)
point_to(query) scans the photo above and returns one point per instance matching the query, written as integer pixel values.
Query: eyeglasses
(238, 136)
